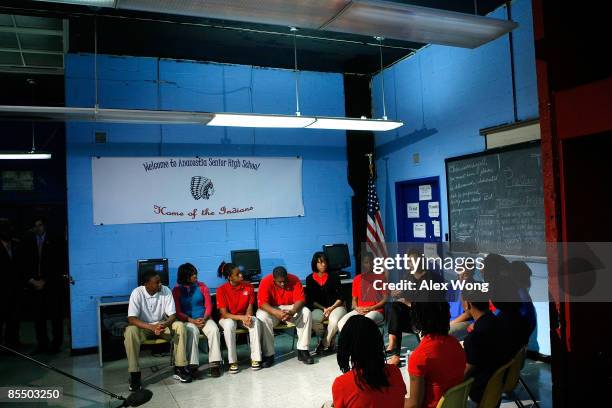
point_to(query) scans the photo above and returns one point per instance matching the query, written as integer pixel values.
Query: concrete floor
(287, 384)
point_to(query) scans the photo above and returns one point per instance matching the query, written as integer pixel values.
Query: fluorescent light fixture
(355, 124)
(138, 116)
(90, 3)
(257, 120)
(33, 155)
(418, 24)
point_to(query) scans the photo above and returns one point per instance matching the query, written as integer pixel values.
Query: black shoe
(182, 374)
(320, 350)
(305, 357)
(194, 372)
(135, 384)
(215, 371)
(268, 362)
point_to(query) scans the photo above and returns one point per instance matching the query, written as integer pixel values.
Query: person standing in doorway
(43, 259)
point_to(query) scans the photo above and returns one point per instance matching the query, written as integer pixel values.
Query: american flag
(375, 234)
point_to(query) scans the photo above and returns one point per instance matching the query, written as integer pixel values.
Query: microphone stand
(138, 397)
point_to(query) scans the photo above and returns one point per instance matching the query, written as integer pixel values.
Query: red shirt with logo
(236, 299)
(274, 295)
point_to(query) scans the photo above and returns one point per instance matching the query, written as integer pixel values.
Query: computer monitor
(159, 265)
(248, 261)
(337, 256)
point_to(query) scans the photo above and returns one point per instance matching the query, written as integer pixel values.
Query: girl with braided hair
(235, 300)
(367, 380)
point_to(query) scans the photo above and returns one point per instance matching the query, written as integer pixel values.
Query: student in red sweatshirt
(367, 382)
(438, 362)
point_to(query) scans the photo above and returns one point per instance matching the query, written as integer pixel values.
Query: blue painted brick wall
(445, 96)
(103, 258)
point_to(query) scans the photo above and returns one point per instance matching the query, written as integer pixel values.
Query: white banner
(130, 190)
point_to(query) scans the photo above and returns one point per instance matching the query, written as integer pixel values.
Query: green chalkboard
(496, 201)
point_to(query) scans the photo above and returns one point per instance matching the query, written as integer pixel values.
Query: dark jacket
(324, 295)
(10, 271)
(49, 264)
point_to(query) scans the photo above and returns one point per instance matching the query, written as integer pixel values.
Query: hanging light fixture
(230, 119)
(26, 155)
(33, 154)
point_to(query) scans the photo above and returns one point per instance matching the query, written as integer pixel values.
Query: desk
(106, 304)
(118, 305)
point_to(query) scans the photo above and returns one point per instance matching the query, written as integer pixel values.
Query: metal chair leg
(533, 398)
(172, 351)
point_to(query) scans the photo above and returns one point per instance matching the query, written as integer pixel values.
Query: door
(418, 210)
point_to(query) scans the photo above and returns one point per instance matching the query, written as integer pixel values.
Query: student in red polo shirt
(367, 381)
(438, 362)
(281, 299)
(235, 300)
(367, 301)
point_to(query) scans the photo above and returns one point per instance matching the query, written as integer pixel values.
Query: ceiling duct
(371, 18)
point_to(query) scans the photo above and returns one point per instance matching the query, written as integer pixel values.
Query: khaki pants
(377, 317)
(332, 325)
(303, 325)
(229, 332)
(211, 332)
(134, 337)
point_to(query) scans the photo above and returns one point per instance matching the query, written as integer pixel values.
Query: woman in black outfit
(324, 300)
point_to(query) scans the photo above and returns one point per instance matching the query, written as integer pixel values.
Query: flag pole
(371, 164)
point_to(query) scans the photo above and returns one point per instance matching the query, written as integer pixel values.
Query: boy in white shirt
(151, 314)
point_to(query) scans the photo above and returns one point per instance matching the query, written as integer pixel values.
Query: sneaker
(182, 374)
(255, 365)
(268, 361)
(305, 357)
(135, 383)
(215, 371)
(233, 368)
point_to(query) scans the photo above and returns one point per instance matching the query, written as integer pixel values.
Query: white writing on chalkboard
(496, 202)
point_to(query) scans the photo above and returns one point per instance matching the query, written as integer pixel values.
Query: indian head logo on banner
(202, 187)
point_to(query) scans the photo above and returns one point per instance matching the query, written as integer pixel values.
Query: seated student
(367, 381)
(521, 274)
(399, 314)
(508, 300)
(438, 362)
(512, 313)
(235, 300)
(151, 313)
(324, 300)
(486, 346)
(367, 301)
(281, 299)
(194, 306)
(460, 318)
